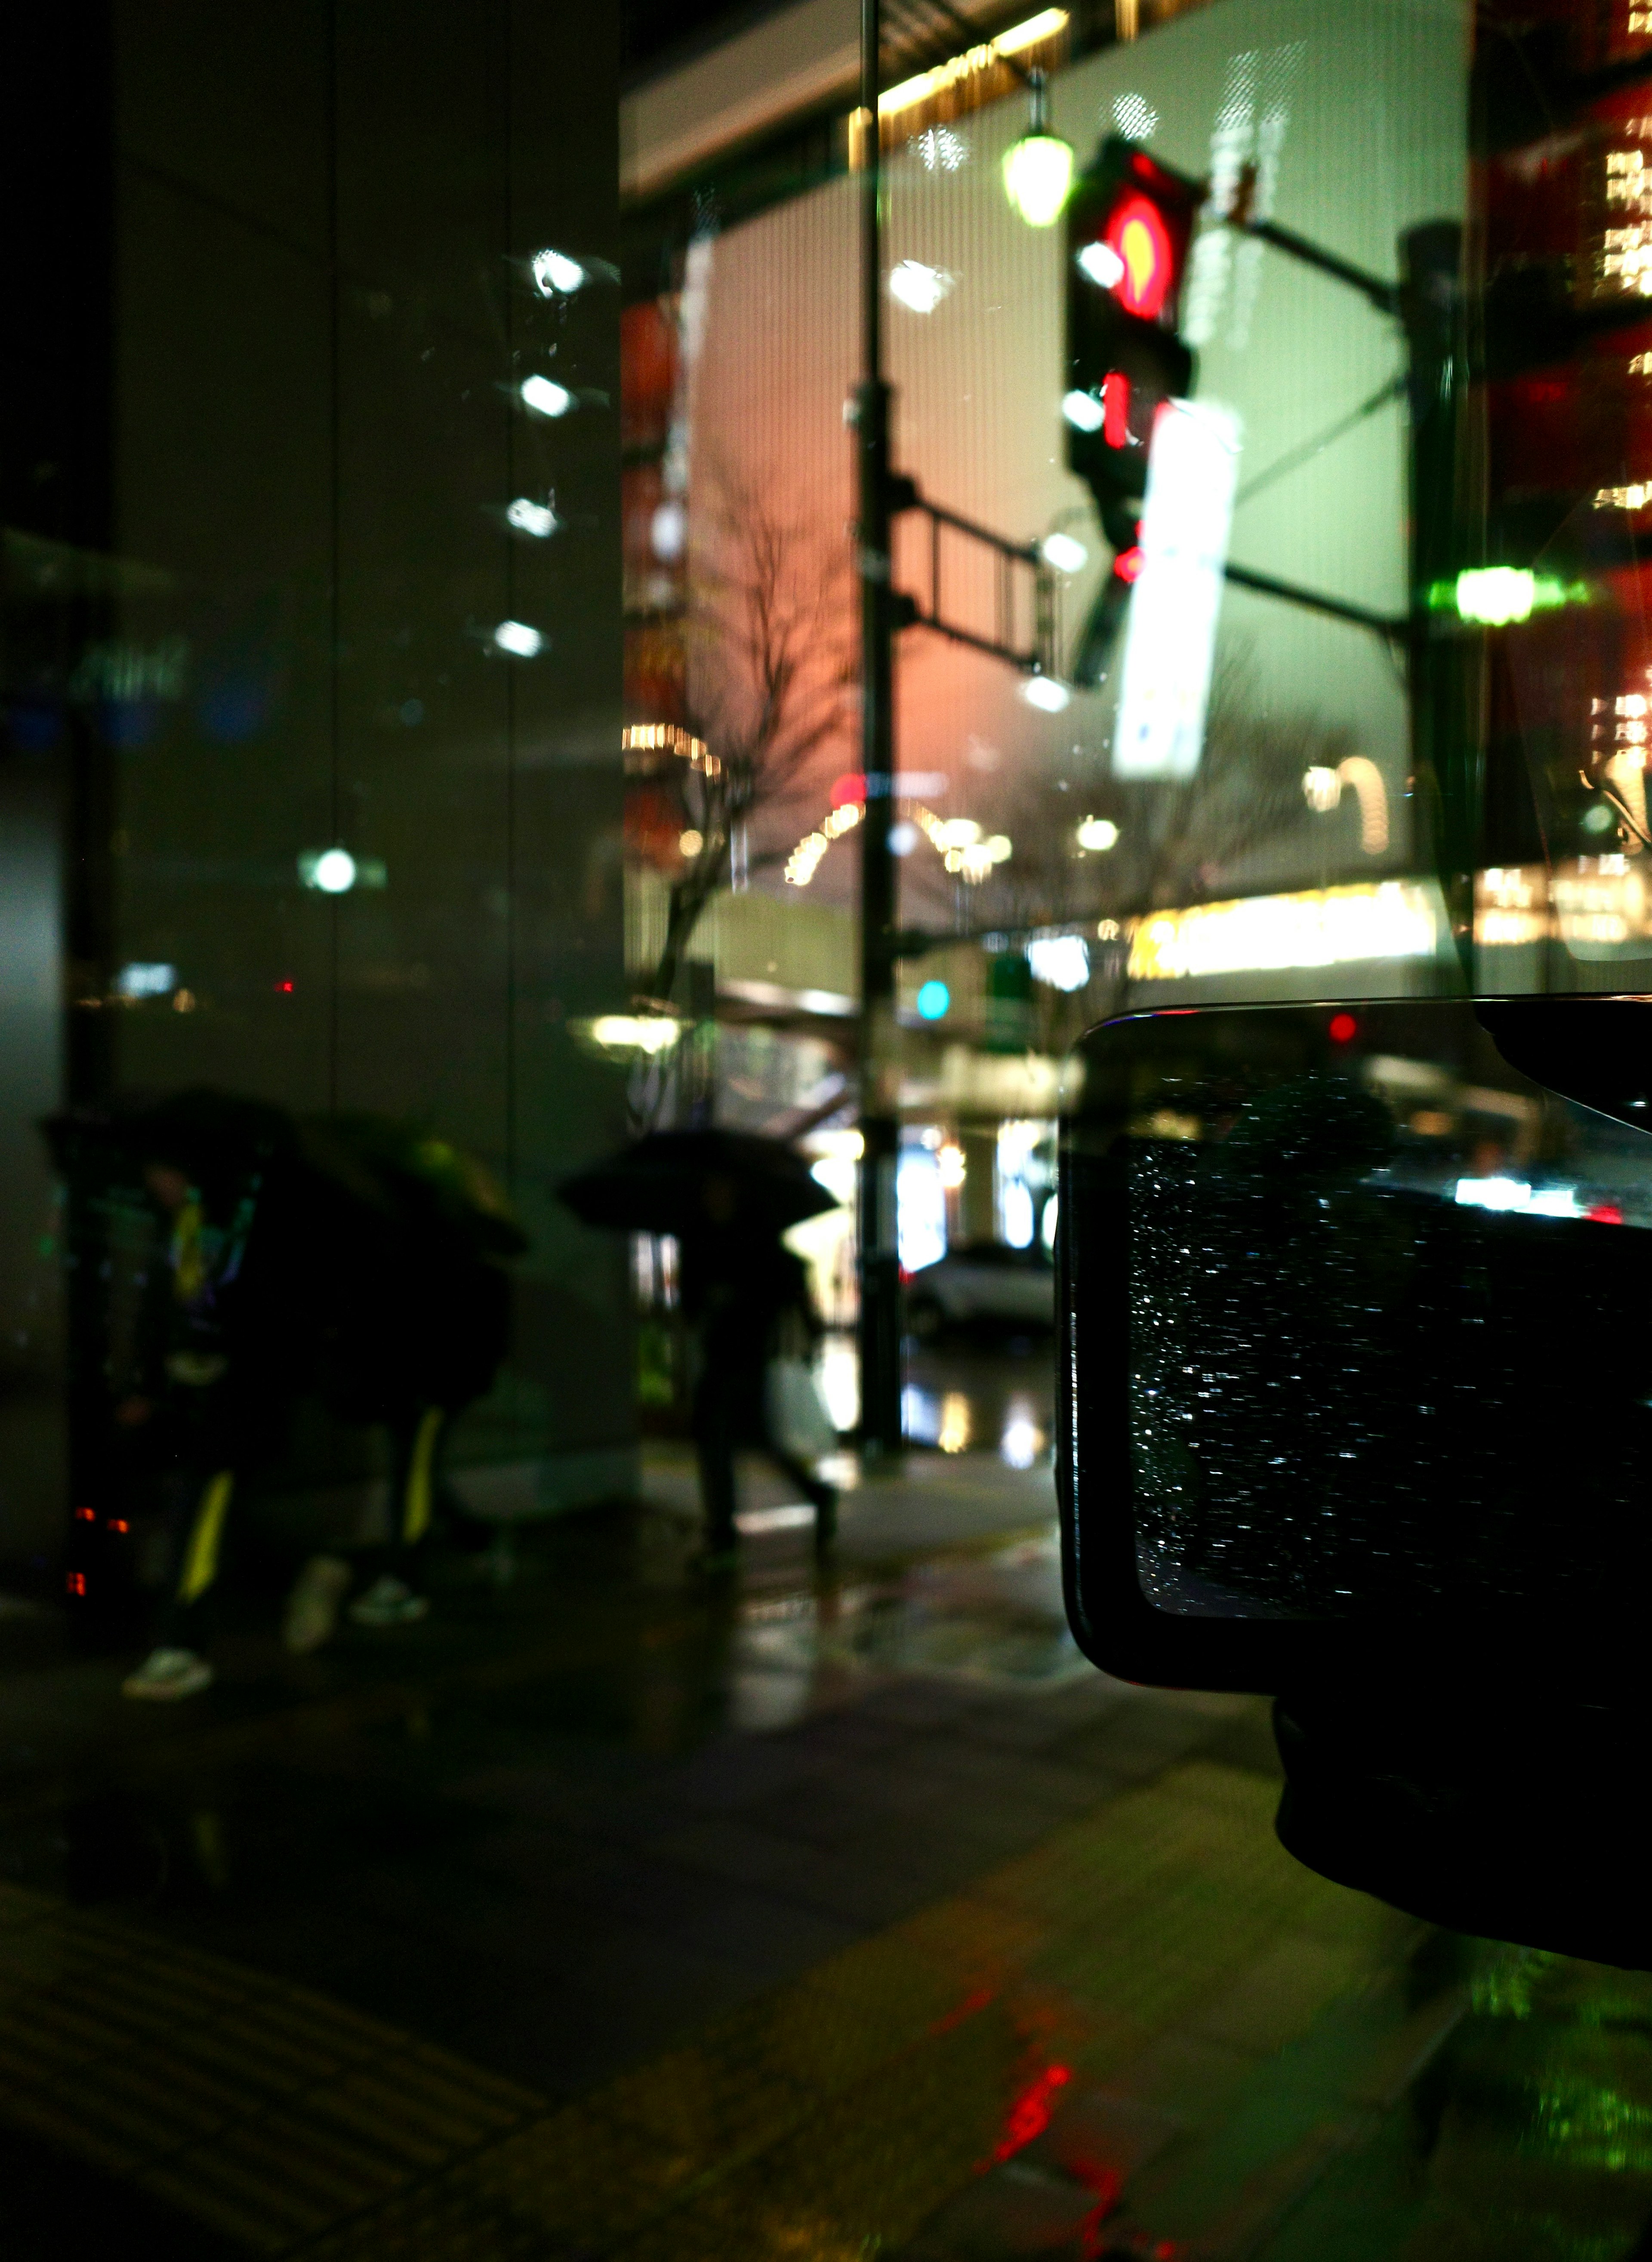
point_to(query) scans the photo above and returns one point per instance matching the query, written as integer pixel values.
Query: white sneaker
(314, 1605)
(388, 1602)
(166, 1674)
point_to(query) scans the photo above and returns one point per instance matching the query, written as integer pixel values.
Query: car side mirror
(1356, 1410)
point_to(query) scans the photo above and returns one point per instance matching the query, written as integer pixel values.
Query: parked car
(981, 1281)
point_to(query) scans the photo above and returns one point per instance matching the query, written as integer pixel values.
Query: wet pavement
(807, 1912)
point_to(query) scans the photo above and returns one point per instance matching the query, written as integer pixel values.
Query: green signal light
(1502, 596)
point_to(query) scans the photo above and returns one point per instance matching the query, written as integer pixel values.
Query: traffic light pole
(879, 1063)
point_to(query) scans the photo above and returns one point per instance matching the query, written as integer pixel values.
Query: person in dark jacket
(213, 1355)
(746, 1299)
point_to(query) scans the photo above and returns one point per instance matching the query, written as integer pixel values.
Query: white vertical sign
(1192, 469)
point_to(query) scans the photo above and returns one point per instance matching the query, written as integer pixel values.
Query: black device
(1356, 1410)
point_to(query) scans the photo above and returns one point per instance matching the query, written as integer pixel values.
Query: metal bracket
(1038, 657)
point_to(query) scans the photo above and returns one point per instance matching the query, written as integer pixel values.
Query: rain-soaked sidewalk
(808, 1914)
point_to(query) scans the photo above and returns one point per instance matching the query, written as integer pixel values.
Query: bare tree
(1176, 842)
(767, 662)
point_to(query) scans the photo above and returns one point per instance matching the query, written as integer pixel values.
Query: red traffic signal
(1130, 226)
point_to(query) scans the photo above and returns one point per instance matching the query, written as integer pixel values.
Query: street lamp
(1038, 168)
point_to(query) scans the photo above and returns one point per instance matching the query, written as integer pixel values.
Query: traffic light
(1129, 225)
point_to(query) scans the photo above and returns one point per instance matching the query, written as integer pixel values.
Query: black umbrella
(675, 1181)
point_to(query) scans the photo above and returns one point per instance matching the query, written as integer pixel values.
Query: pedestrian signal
(1129, 225)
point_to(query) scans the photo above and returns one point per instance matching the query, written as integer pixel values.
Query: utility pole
(879, 1063)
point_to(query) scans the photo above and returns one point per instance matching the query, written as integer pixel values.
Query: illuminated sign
(1191, 471)
(1322, 926)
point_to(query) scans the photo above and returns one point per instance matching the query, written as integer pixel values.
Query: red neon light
(966, 2009)
(118, 1523)
(1138, 234)
(76, 1582)
(1116, 408)
(851, 787)
(86, 1515)
(1344, 1029)
(1029, 2114)
(284, 989)
(1129, 563)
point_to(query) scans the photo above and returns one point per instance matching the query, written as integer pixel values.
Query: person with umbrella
(727, 1197)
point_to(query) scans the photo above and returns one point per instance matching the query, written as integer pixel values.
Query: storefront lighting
(545, 397)
(1045, 693)
(1065, 552)
(1322, 926)
(531, 517)
(556, 275)
(519, 640)
(1047, 25)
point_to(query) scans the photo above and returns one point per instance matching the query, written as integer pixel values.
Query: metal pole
(879, 1066)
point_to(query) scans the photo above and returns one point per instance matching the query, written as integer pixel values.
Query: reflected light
(1031, 33)
(1037, 174)
(554, 273)
(531, 517)
(903, 838)
(1102, 264)
(668, 532)
(1044, 692)
(954, 1433)
(953, 1168)
(1060, 961)
(1324, 926)
(332, 870)
(1021, 1441)
(1502, 1194)
(919, 288)
(1099, 833)
(1083, 411)
(1064, 553)
(1495, 596)
(545, 397)
(635, 1033)
(517, 638)
(145, 978)
(690, 842)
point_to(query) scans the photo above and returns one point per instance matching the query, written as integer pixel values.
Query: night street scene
(825, 1072)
